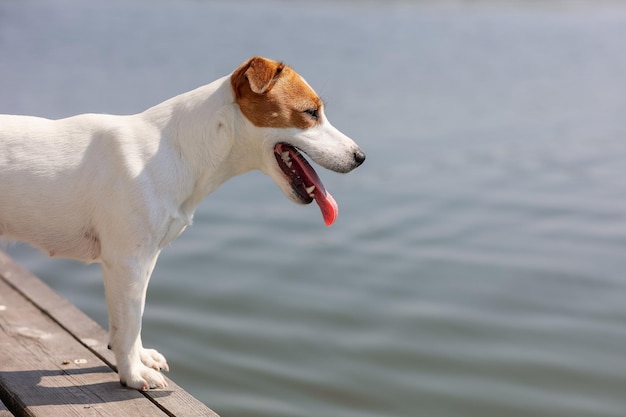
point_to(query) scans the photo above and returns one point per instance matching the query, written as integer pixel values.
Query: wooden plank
(44, 371)
(173, 400)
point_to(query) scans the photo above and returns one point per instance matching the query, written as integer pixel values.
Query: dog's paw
(143, 378)
(153, 359)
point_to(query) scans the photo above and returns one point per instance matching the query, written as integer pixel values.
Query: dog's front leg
(125, 284)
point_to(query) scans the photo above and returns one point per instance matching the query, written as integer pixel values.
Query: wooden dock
(54, 360)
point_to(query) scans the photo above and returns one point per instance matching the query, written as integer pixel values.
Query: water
(477, 265)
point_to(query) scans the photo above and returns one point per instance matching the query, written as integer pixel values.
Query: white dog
(117, 189)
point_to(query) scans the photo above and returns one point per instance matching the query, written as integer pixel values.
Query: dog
(117, 189)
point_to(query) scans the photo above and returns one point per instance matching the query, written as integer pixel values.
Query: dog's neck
(203, 125)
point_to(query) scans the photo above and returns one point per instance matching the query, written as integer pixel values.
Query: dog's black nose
(359, 157)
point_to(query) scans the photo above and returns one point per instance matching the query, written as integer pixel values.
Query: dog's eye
(313, 113)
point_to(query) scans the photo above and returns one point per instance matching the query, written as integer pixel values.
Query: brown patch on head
(271, 94)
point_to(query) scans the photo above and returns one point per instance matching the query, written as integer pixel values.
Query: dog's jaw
(286, 113)
(304, 182)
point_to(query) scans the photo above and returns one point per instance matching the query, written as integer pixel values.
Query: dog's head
(290, 119)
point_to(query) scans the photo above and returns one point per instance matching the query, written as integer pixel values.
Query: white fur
(117, 189)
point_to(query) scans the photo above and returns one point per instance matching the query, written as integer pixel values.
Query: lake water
(477, 267)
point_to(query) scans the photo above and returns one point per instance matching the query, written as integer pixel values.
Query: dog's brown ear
(258, 73)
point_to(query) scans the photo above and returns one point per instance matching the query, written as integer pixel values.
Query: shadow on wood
(85, 386)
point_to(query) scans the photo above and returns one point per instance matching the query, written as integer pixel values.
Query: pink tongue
(327, 204)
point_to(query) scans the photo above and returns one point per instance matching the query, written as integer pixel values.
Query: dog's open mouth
(304, 181)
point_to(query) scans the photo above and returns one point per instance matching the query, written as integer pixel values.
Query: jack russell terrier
(117, 189)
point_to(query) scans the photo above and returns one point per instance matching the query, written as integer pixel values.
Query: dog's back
(49, 171)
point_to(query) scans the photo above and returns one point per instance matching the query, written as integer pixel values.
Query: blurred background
(477, 264)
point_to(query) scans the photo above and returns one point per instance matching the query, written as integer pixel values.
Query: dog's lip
(304, 180)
